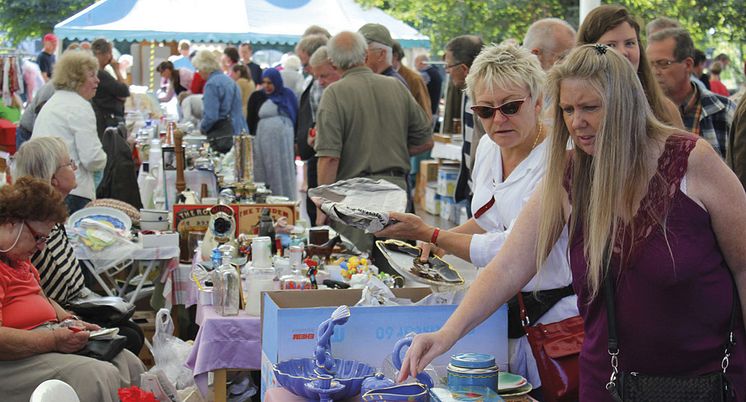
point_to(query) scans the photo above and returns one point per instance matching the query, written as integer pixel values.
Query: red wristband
(434, 237)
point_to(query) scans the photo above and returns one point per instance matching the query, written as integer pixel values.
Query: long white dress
(274, 156)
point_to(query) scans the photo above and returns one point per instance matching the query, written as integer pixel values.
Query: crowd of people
(591, 160)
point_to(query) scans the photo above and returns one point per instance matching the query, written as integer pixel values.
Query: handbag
(637, 387)
(103, 349)
(106, 311)
(556, 349)
(536, 304)
(220, 135)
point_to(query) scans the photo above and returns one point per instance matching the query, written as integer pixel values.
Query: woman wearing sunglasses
(506, 84)
(35, 347)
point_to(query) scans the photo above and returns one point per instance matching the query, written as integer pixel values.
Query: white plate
(522, 390)
(108, 216)
(509, 381)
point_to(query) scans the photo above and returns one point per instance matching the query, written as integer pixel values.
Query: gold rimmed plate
(402, 258)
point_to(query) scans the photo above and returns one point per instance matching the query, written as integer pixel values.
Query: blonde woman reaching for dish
(505, 83)
(669, 207)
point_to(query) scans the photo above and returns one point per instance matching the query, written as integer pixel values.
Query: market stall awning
(230, 21)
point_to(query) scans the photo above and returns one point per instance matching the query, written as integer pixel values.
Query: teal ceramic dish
(473, 370)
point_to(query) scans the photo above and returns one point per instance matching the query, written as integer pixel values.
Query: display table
(104, 271)
(283, 395)
(222, 344)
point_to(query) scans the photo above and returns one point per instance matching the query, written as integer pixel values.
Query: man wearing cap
(379, 55)
(367, 125)
(46, 58)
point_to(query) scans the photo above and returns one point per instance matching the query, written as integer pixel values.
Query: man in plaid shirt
(706, 114)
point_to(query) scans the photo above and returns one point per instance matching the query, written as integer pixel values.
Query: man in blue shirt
(46, 58)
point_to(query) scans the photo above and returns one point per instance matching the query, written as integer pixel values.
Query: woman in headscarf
(274, 157)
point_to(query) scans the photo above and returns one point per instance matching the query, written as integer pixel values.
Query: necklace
(538, 134)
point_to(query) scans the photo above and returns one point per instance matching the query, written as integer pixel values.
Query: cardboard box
(427, 174)
(290, 321)
(447, 179)
(196, 217)
(167, 239)
(432, 200)
(444, 138)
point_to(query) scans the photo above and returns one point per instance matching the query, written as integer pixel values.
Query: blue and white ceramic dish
(295, 373)
(402, 392)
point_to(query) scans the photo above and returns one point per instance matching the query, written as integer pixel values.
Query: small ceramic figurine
(324, 250)
(323, 353)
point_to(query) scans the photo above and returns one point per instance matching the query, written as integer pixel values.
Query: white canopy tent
(226, 21)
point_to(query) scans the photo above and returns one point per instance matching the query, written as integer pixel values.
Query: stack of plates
(509, 384)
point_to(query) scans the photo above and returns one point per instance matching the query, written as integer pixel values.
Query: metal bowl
(295, 373)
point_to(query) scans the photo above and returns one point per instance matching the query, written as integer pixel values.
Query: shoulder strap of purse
(613, 341)
(522, 311)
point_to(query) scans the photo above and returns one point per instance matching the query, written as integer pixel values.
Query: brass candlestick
(179, 150)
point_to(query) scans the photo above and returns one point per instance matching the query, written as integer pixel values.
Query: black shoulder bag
(220, 135)
(638, 387)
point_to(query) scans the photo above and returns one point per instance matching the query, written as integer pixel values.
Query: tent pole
(151, 65)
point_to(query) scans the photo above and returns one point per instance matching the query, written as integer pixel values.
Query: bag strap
(613, 341)
(552, 294)
(522, 311)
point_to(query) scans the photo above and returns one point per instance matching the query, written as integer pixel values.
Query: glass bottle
(227, 285)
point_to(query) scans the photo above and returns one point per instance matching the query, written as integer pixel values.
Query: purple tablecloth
(224, 343)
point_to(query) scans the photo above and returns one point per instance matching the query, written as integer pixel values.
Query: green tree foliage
(497, 20)
(706, 20)
(493, 20)
(22, 19)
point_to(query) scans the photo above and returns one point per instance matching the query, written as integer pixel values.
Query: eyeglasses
(71, 163)
(38, 238)
(663, 64)
(507, 109)
(450, 66)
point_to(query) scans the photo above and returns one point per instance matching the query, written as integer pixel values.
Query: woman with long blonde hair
(662, 202)
(505, 84)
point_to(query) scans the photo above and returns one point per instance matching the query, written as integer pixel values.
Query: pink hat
(50, 37)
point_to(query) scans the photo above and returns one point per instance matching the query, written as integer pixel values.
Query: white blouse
(69, 116)
(510, 197)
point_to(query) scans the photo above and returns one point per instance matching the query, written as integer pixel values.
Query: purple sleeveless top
(672, 315)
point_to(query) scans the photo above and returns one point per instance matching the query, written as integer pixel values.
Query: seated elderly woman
(69, 115)
(33, 347)
(61, 275)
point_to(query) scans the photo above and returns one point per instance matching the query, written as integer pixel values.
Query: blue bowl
(295, 373)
